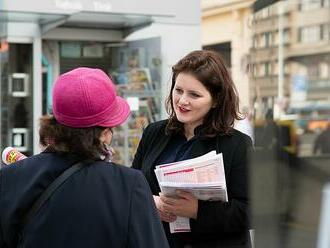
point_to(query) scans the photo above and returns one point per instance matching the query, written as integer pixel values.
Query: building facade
(226, 28)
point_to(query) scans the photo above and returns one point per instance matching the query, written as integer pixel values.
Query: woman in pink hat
(202, 107)
(71, 195)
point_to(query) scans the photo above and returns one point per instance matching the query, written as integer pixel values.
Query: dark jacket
(218, 224)
(102, 205)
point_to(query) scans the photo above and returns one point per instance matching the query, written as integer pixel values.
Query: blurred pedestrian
(322, 142)
(270, 133)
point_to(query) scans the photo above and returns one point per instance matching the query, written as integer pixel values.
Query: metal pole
(37, 89)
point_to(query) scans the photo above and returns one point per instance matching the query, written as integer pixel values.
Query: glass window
(70, 50)
(313, 71)
(310, 34)
(267, 68)
(93, 51)
(324, 70)
(292, 127)
(255, 41)
(264, 69)
(326, 32)
(286, 36)
(265, 40)
(254, 70)
(307, 5)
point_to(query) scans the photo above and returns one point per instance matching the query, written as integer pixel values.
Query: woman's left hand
(186, 205)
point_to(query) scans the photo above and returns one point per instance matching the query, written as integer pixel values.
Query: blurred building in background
(226, 28)
(135, 42)
(290, 58)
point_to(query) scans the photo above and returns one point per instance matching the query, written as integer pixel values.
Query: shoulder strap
(50, 190)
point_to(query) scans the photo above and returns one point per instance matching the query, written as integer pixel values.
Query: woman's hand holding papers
(164, 216)
(186, 205)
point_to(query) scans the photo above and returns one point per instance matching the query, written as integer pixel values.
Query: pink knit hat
(86, 97)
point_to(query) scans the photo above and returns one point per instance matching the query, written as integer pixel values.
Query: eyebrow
(189, 91)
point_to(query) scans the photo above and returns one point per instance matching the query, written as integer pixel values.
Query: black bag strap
(50, 190)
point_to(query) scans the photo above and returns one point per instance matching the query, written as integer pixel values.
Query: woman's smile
(183, 109)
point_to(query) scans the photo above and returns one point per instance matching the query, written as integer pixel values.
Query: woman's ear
(105, 135)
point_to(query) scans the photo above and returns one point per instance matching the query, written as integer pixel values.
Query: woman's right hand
(167, 217)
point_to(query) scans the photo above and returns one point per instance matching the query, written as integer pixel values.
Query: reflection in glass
(290, 82)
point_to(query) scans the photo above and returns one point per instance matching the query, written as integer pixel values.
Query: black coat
(218, 224)
(102, 205)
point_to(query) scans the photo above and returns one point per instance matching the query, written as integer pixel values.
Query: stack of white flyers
(203, 176)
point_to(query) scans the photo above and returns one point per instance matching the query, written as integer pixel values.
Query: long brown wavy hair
(208, 68)
(82, 142)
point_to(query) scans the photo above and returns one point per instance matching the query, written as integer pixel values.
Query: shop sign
(68, 4)
(298, 89)
(97, 5)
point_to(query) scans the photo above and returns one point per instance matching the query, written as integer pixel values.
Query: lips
(183, 110)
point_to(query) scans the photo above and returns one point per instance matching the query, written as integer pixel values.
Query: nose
(183, 100)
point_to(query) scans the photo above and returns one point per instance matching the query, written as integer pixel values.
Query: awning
(79, 19)
(105, 20)
(41, 18)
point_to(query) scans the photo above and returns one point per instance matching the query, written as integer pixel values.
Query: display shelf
(137, 77)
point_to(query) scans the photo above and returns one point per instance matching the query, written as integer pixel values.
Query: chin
(178, 117)
(182, 119)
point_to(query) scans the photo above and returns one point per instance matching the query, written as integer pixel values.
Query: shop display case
(137, 76)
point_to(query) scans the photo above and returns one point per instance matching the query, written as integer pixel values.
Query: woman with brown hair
(202, 106)
(99, 204)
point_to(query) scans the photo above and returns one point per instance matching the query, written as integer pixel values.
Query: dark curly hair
(82, 142)
(208, 68)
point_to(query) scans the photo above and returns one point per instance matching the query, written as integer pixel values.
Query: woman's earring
(109, 152)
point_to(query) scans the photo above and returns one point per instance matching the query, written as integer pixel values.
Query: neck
(189, 131)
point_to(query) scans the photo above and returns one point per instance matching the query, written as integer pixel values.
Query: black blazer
(218, 224)
(102, 205)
